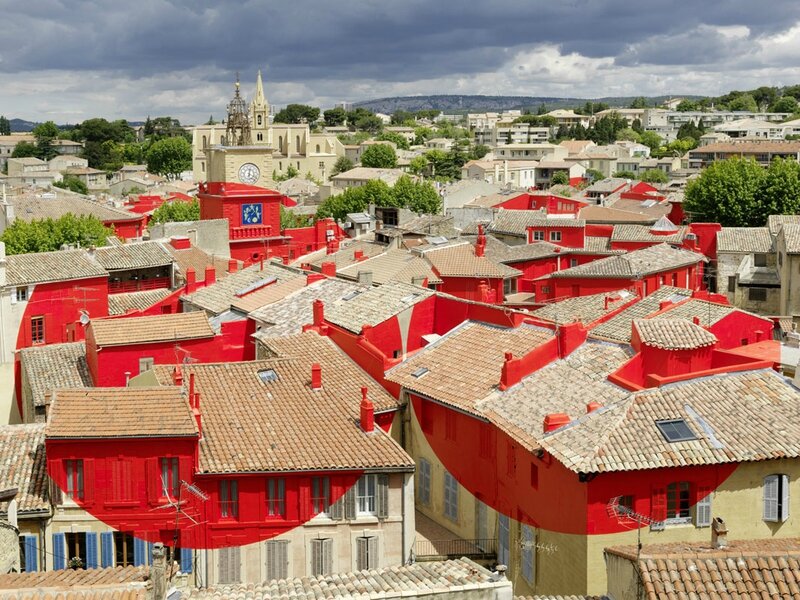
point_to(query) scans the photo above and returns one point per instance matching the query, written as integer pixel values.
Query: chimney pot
(180, 242)
(177, 375)
(233, 265)
(191, 389)
(365, 278)
(605, 303)
(719, 533)
(211, 274)
(696, 320)
(664, 304)
(191, 278)
(316, 376)
(319, 312)
(554, 421)
(367, 412)
(329, 268)
(358, 254)
(593, 406)
(509, 356)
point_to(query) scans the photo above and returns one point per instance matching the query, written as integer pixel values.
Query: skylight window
(648, 203)
(420, 372)
(268, 375)
(350, 296)
(409, 298)
(675, 430)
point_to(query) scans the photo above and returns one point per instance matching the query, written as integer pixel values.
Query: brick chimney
(554, 421)
(719, 533)
(211, 274)
(180, 242)
(233, 265)
(316, 377)
(480, 244)
(329, 268)
(367, 412)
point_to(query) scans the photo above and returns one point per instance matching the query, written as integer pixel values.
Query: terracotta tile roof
(791, 236)
(150, 329)
(393, 265)
(345, 256)
(287, 316)
(112, 583)
(55, 366)
(464, 366)
(516, 222)
(375, 305)
(673, 334)
(618, 327)
(562, 386)
(283, 425)
(430, 225)
(643, 233)
(775, 222)
(744, 240)
(136, 255)
(745, 569)
(499, 251)
(597, 244)
(736, 417)
(61, 265)
(119, 413)
(422, 579)
(23, 466)
(56, 204)
(268, 294)
(492, 200)
(198, 259)
(119, 304)
(460, 261)
(708, 313)
(218, 297)
(607, 214)
(652, 259)
(585, 309)
(560, 597)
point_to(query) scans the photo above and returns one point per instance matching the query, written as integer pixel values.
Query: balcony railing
(252, 231)
(475, 549)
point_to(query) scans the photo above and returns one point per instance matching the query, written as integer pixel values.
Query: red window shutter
(658, 509)
(153, 480)
(185, 469)
(88, 481)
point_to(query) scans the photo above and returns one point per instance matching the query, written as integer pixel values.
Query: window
(123, 549)
(528, 543)
(28, 554)
(675, 430)
(702, 510)
(555, 236)
(276, 497)
(538, 236)
(573, 262)
(260, 137)
(366, 553)
(277, 559)
(22, 294)
(509, 286)
(534, 476)
(759, 260)
(365, 495)
(756, 294)
(229, 565)
(259, 120)
(317, 148)
(229, 499)
(74, 478)
(678, 502)
(320, 494)
(545, 289)
(450, 497)
(37, 330)
(481, 524)
(145, 364)
(76, 548)
(776, 498)
(297, 145)
(731, 283)
(626, 503)
(321, 556)
(424, 482)
(170, 480)
(503, 540)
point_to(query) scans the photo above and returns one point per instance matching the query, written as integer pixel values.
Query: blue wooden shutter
(138, 552)
(186, 560)
(59, 551)
(31, 554)
(91, 550)
(107, 547)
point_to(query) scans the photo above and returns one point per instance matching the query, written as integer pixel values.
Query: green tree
(291, 172)
(46, 235)
(727, 192)
(380, 156)
(639, 102)
(690, 130)
(371, 123)
(785, 104)
(560, 178)
(351, 200)
(169, 157)
(653, 176)
(5, 126)
(73, 184)
(779, 190)
(419, 197)
(606, 128)
(211, 120)
(423, 134)
(25, 150)
(418, 165)
(637, 126)
(335, 117)
(134, 153)
(591, 174)
(342, 165)
(297, 113)
(394, 137)
(290, 220)
(478, 151)
(686, 106)
(765, 96)
(177, 210)
(624, 174)
(628, 134)
(401, 117)
(45, 133)
(743, 102)
(651, 139)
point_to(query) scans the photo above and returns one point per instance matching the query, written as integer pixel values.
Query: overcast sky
(68, 60)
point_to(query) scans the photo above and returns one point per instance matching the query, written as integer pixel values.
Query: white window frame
(538, 236)
(367, 496)
(776, 498)
(555, 236)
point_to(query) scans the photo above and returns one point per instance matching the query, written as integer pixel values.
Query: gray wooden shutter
(362, 553)
(327, 555)
(336, 510)
(223, 575)
(350, 503)
(316, 557)
(372, 552)
(322, 556)
(702, 511)
(784, 497)
(771, 498)
(383, 496)
(229, 565)
(277, 559)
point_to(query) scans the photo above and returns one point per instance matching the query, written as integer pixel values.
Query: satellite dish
(84, 319)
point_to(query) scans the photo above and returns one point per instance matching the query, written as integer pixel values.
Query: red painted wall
(128, 229)
(571, 237)
(468, 287)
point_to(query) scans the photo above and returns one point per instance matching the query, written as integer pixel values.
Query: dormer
(670, 347)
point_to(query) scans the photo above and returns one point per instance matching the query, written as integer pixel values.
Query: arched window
(317, 148)
(297, 141)
(260, 137)
(259, 120)
(205, 142)
(280, 143)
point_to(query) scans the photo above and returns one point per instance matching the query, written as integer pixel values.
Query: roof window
(268, 375)
(675, 430)
(420, 372)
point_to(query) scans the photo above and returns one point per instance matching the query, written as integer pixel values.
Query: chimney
(332, 246)
(480, 244)
(191, 279)
(312, 277)
(719, 533)
(177, 375)
(358, 255)
(211, 274)
(191, 390)
(233, 265)
(696, 320)
(593, 406)
(605, 303)
(554, 421)
(158, 572)
(365, 278)
(319, 312)
(483, 291)
(367, 412)
(180, 242)
(664, 304)
(316, 377)
(366, 330)
(329, 268)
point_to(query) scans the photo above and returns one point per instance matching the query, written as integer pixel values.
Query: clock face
(249, 173)
(251, 214)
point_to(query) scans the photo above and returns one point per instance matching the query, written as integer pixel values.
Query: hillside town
(531, 354)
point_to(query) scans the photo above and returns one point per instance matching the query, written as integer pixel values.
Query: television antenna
(627, 517)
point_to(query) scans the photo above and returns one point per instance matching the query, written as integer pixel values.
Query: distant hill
(21, 126)
(467, 103)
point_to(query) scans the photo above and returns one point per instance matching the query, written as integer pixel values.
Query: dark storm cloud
(366, 39)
